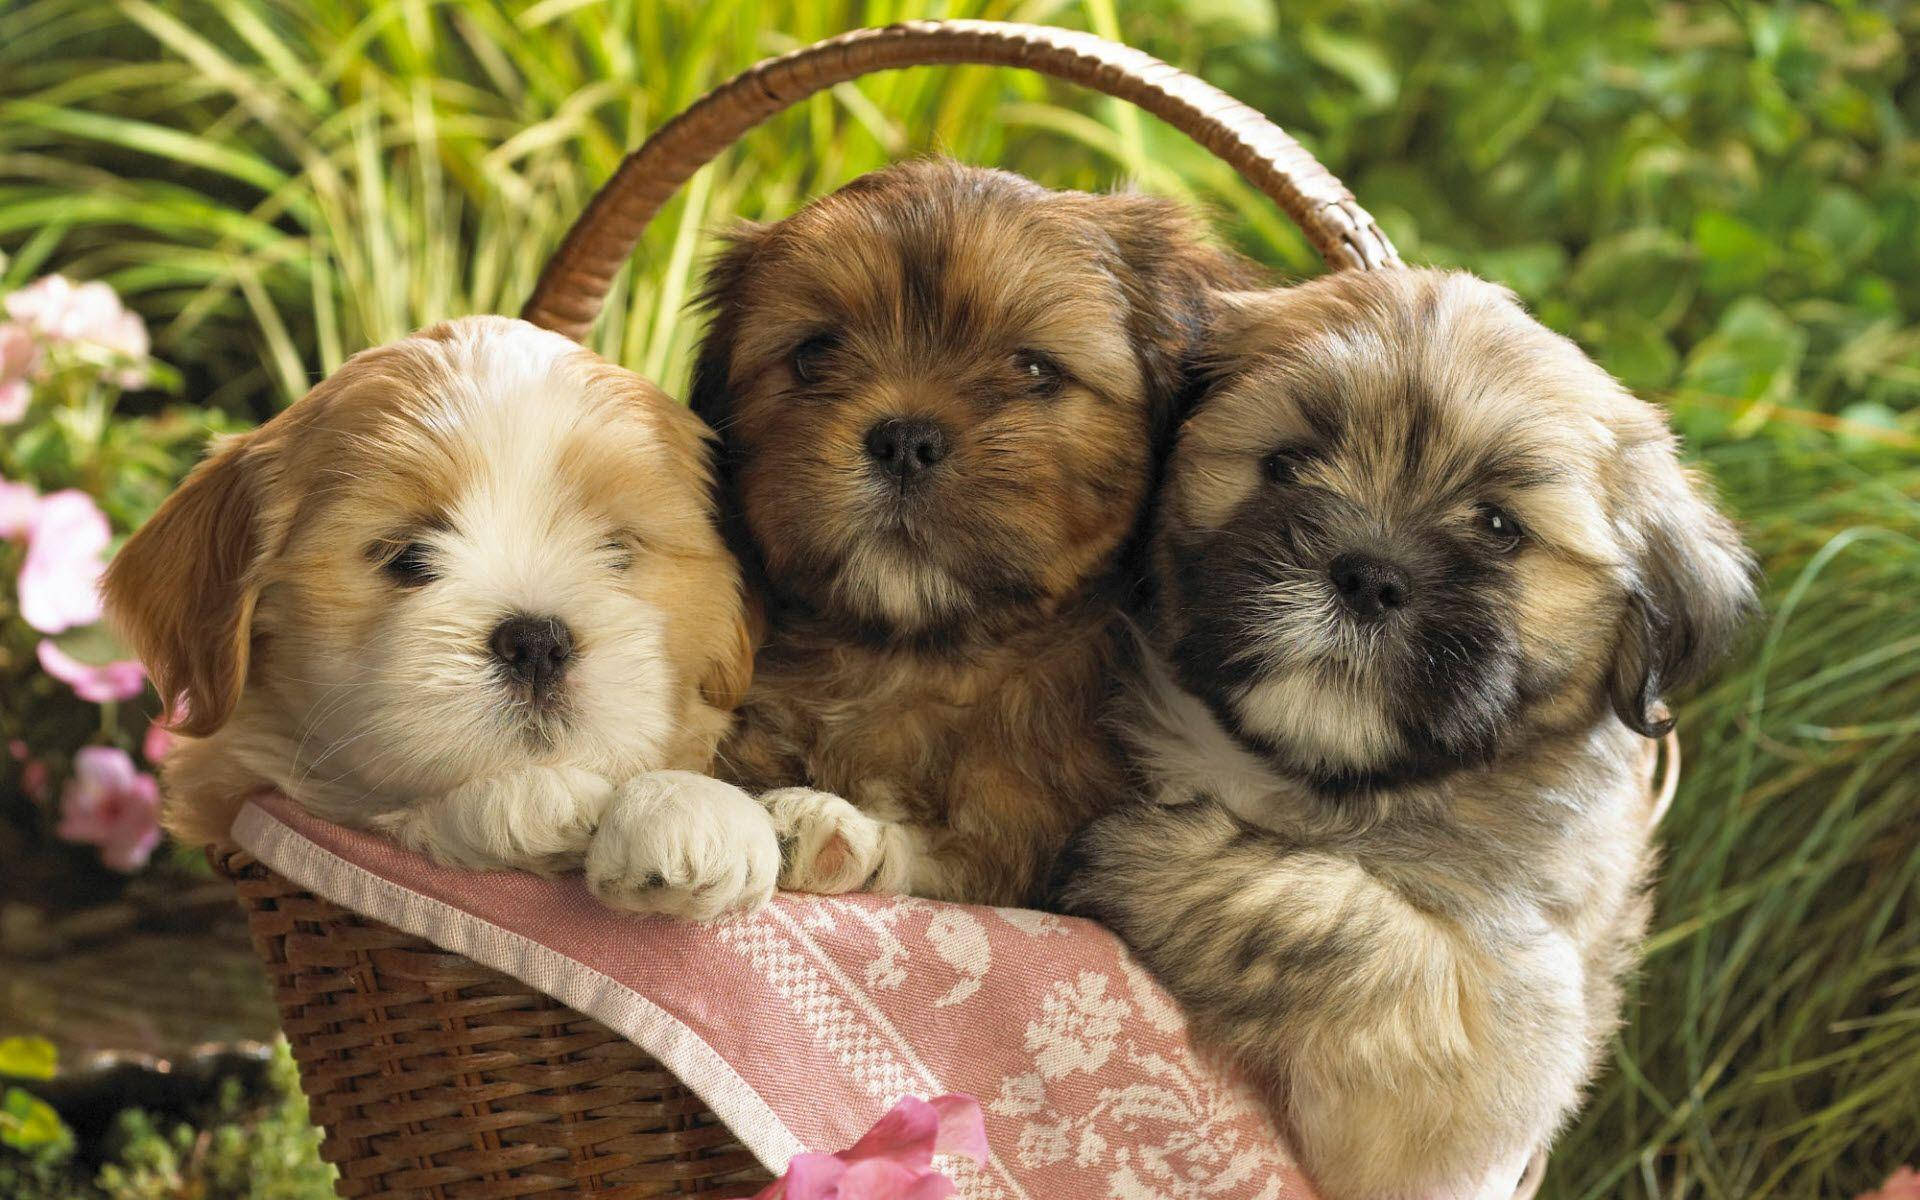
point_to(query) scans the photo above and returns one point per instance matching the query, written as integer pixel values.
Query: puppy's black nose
(903, 447)
(534, 650)
(1369, 586)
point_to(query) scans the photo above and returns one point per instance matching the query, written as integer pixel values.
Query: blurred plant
(28, 1126)
(240, 1148)
(70, 352)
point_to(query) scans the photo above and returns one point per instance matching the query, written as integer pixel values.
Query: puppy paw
(829, 847)
(683, 845)
(540, 819)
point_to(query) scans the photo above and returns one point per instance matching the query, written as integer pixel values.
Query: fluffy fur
(1396, 851)
(941, 631)
(323, 604)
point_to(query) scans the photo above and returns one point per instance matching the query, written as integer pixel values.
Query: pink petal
(963, 1128)
(905, 1135)
(813, 1176)
(156, 743)
(71, 519)
(32, 304)
(59, 584)
(13, 400)
(129, 855)
(18, 503)
(102, 684)
(884, 1179)
(110, 804)
(19, 352)
(105, 767)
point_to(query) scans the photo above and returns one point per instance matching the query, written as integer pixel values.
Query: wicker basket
(434, 1076)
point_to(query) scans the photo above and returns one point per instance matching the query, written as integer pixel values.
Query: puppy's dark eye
(411, 566)
(1499, 527)
(811, 356)
(1040, 374)
(1283, 465)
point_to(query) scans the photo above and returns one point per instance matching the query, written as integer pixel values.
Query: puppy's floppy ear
(182, 590)
(725, 659)
(1692, 586)
(720, 295)
(1172, 275)
(1240, 329)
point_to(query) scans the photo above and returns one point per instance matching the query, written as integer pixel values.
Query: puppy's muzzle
(534, 652)
(1369, 587)
(905, 449)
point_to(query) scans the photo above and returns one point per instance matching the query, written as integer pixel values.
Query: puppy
(939, 393)
(470, 592)
(1424, 573)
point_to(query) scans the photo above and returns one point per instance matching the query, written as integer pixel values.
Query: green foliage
(28, 1126)
(1721, 201)
(240, 1149)
(27, 1058)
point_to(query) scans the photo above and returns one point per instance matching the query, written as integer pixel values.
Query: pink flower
(1903, 1184)
(894, 1161)
(154, 746)
(111, 805)
(55, 309)
(18, 503)
(60, 580)
(19, 355)
(102, 684)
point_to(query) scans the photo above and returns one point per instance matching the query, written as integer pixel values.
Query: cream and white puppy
(468, 592)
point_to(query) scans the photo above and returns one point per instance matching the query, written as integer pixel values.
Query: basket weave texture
(433, 1076)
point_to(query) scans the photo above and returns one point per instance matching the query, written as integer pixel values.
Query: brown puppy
(939, 393)
(1424, 574)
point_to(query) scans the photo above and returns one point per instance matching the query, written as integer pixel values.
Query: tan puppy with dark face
(939, 393)
(1424, 573)
(468, 591)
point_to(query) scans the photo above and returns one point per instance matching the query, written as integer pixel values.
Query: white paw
(830, 847)
(540, 819)
(683, 845)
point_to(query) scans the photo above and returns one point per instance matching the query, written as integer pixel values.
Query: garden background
(1719, 200)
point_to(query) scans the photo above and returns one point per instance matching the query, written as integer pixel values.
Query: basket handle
(575, 280)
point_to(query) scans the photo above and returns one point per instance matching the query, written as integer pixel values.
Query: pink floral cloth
(802, 1025)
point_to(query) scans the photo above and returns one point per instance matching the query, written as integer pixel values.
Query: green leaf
(29, 1123)
(27, 1058)
(1843, 225)
(1636, 351)
(1755, 354)
(1531, 270)
(1865, 415)
(94, 645)
(1227, 19)
(1363, 64)
(1647, 272)
(1737, 256)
